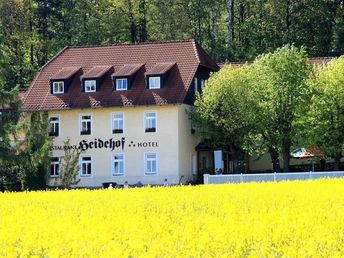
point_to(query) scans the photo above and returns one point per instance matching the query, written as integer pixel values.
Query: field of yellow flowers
(286, 219)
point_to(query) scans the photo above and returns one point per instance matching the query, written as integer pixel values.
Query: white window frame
(202, 84)
(145, 121)
(54, 122)
(150, 159)
(113, 172)
(118, 80)
(54, 163)
(196, 84)
(194, 164)
(81, 162)
(154, 82)
(113, 122)
(58, 87)
(81, 120)
(90, 86)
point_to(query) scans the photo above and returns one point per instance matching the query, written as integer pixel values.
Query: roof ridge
(54, 57)
(134, 44)
(196, 51)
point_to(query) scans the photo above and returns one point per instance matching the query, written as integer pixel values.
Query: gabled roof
(96, 72)
(188, 56)
(65, 73)
(127, 70)
(160, 68)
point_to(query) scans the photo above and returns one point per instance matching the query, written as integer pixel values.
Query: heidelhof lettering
(99, 144)
(111, 144)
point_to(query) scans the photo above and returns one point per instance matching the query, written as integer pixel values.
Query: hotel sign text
(111, 144)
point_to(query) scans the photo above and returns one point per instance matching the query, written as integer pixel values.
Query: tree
(35, 158)
(69, 166)
(325, 118)
(281, 93)
(222, 113)
(9, 116)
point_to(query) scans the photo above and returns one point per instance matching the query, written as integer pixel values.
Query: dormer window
(61, 80)
(154, 82)
(93, 78)
(58, 87)
(121, 84)
(90, 85)
(157, 76)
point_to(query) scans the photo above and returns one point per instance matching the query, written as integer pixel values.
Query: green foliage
(35, 30)
(69, 166)
(35, 159)
(254, 108)
(325, 118)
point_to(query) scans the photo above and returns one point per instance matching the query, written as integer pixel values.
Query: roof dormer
(60, 81)
(157, 75)
(124, 76)
(92, 79)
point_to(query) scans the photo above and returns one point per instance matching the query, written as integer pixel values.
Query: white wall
(174, 152)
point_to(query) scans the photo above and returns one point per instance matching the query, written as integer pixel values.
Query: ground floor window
(86, 166)
(151, 164)
(55, 167)
(118, 165)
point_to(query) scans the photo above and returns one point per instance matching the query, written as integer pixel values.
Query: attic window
(58, 87)
(154, 82)
(121, 84)
(90, 85)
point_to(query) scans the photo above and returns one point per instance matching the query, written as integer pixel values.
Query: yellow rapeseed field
(287, 219)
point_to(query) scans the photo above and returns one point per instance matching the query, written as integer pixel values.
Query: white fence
(268, 177)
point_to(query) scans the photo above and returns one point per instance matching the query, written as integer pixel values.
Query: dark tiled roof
(96, 72)
(127, 70)
(187, 55)
(160, 68)
(65, 73)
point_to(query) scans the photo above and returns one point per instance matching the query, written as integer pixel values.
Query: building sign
(110, 144)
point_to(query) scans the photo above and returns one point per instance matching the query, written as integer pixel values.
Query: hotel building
(125, 107)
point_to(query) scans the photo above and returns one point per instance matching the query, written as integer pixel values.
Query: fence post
(274, 176)
(206, 179)
(241, 178)
(310, 175)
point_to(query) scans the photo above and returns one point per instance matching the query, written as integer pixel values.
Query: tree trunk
(337, 161)
(214, 11)
(322, 164)
(133, 33)
(275, 160)
(286, 154)
(143, 21)
(230, 36)
(288, 14)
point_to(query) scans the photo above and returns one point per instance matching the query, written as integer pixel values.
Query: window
(196, 85)
(55, 167)
(150, 122)
(154, 82)
(90, 86)
(151, 164)
(54, 126)
(118, 165)
(194, 164)
(58, 87)
(117, 123)
(86, 123)
(122, 84)
(86, 166)
(202, 84)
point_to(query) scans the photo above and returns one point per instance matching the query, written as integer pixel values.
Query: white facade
(143, 143)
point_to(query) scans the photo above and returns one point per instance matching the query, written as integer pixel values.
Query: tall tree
(324, 122)
(281, 92)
